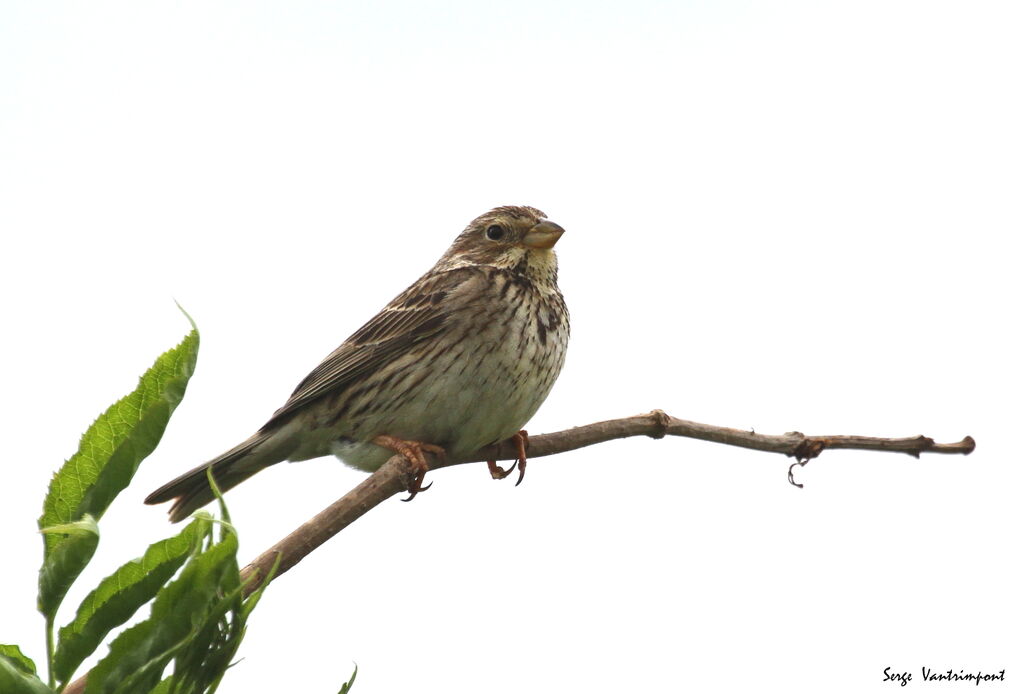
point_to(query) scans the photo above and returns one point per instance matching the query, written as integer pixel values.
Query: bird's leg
(499, 473)
(413, 452)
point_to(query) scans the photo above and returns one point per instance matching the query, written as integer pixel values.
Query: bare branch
(394, 476)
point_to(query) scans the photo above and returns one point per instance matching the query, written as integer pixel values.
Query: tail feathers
(192, 491)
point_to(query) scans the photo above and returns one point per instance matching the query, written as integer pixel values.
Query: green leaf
(167, 686)
(112, 448)
(181, 612)
(121, 594)
(345, 688)
(201, 665)
(15, 680)
(78, 543)
(20, 659)
(108, 456)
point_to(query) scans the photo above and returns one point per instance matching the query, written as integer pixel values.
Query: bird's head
(510, 237)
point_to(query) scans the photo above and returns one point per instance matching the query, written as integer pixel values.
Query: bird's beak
(543, 234)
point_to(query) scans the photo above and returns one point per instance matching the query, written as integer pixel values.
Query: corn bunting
(459, 360)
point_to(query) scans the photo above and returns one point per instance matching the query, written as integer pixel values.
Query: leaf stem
(49, 653)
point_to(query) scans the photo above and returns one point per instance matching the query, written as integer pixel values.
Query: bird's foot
(522, 440)
(413, 452)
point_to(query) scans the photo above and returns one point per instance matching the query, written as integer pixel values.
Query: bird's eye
(495, 232)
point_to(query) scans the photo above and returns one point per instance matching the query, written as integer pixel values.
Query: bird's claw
(499, 473)
(522, 441)
(416, 487)
(412, 451)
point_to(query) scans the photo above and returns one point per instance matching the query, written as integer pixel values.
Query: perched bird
(459, 360)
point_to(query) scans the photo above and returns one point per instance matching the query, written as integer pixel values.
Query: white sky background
(785, 215)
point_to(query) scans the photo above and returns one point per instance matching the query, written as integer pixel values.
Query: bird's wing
(418, 313)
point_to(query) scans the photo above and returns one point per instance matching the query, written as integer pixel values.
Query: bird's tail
(192, 491)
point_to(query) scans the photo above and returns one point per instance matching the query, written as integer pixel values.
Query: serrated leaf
(14, 653)
(14, 679)
(121, 594)
(108, 456)
(138, 656)
(112, 448)
(62, 566)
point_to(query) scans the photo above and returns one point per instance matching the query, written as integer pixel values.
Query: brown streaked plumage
(459, 360)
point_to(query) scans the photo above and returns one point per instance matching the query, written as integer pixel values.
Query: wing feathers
(418, 313)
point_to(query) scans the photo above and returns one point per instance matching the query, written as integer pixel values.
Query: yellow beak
(543, 234)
